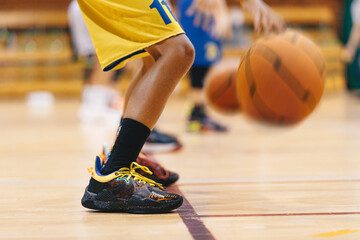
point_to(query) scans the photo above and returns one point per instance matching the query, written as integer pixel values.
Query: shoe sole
(158, 148)
(106, 201)
(205, 129)
(167, 182)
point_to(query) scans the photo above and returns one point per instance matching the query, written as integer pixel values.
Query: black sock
(198, 111)
(128, 144)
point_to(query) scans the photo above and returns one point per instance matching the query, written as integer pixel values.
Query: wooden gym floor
(250, 183)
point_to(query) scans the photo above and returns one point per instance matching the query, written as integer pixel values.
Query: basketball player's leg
(147, 97)
(197, 75)
(118, 185)
(159, 173)
(146, 64)
(173, 58)
(157, 141)
(198, 119)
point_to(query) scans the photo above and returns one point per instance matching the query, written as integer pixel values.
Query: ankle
(198, 111)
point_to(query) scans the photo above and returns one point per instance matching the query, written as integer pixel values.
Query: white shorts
(79, 32)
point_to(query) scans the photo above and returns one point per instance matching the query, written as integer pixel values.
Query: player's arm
(352, 45)
(265, 19)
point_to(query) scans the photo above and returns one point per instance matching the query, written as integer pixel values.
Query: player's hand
(265, 19)
(206, 7)
(213, 16)
(347, 55)
(222, 21)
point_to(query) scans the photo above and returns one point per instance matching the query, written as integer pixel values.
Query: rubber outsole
(161, 147)
(105, 201)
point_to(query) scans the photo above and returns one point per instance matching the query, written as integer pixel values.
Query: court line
(4, 181)
(44, 183)
(336, 233)
(270, 180)
(279, 214)
(191, 219)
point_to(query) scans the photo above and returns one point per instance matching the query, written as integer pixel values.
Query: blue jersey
(208, 49)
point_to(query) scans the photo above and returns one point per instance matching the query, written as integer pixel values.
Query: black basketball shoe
(199, 121)
(161, 142)
(126, 190)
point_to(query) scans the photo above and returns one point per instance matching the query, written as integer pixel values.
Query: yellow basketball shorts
(121, 30)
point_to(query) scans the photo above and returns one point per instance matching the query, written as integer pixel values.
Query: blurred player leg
(99, 101)
(208, 48)
(198, 119)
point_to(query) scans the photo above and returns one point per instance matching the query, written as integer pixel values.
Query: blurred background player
(206, 29)
(351, 39)
(207, 24)
(354, 39)
(100, 99)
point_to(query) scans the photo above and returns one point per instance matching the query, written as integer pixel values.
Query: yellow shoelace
(137, 176)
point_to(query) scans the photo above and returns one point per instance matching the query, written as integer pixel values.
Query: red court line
(191, 219)
(280, 214)
(267, 182)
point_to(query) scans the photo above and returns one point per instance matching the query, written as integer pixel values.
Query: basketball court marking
(278, 214)
(336, 233)
(11, 182)
(197, 228)
(270, 180)
(191, 219)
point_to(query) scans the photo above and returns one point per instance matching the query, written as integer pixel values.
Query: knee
(177, 49)
(184, 50)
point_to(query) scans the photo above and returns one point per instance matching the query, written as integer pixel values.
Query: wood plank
(250, 183)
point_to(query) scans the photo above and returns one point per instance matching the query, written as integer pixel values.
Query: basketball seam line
(321, 68)
(221, 90)
(262, 109)
(304, 95)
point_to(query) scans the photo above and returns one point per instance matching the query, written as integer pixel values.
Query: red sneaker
(159, 173)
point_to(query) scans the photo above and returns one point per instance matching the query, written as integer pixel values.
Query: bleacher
(37, 53)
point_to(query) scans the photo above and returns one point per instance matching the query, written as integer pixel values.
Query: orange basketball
(281, 78)
(220, 87)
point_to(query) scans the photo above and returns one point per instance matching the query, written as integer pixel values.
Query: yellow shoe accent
(129, 172)
(194, 126)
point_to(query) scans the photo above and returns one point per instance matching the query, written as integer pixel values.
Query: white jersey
(355, 12)
(79, 32)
